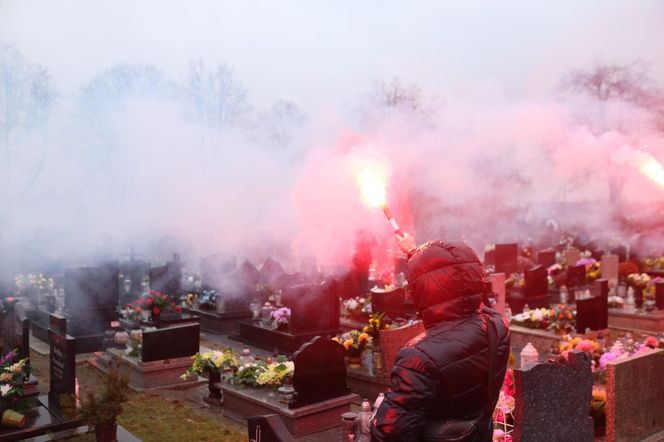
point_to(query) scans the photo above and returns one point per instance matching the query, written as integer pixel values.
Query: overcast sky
(323, 54)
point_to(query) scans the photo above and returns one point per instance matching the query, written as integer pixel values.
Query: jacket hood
(446, 280)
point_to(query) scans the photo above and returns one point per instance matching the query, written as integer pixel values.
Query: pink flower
(585, 345)
(651, 342)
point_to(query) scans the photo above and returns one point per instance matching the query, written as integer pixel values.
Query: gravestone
(91, 299)
(271, 272)
(546, 258)
(391, 302)
(659, 295)
(320, 372)
(506, 257)
(536, 287)
(490, 257)
(167, 279)
(213, 267)
(572, 256)
(313, 308)
(635, 398)
(621, 251)
(552, 401)
(237, 289)
(610, 269)
(62, 359)
(131, 285)
(173, 342)
(14, 329)
(392, 340)
(497, 281)
(593, 313)
(268, 428)
(576, 276)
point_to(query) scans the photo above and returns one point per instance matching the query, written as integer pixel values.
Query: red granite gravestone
(593, 313)
(552, 401)
(576, 276)
(506, 256)
(546, 258)
(536, 287)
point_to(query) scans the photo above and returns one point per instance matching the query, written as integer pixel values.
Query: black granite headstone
(313, 307)
(621, 251)
(271, 272)
(62, 358)
(506, 257)
(167, 279)
(490, 257)
(178, 341)
(546, 258)
(213, 267)
(593, 313)
(268, 428)
(91, 288)
(320, 372)
(659, 295)
(576, 276)
(552, 401)
(392, 302)
(238, 288)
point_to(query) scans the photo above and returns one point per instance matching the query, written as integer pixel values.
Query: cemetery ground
(159, 415)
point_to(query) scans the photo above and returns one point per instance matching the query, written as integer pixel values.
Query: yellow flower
(363, 337)
(348, 344)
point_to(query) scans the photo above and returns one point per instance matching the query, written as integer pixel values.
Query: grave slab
(635, 398)
(636, 320)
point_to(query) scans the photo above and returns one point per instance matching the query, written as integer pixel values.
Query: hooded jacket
(442, 373)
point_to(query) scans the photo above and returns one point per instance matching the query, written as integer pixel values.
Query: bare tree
(407, 101)
(27, 97)
(215, 97)
(619, 83)
(280, 122)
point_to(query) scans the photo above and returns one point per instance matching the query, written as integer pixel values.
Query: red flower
(178, 309)
(148, 301)
(156, 310)
(651, 342)
(137, 310)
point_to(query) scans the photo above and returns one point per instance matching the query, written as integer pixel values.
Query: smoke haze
(491, 149)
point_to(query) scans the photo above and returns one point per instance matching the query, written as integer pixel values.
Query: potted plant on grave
(212, 364)
(638, 282)
(281, 318)
(101, 410)
(207, 300)
(354, 342)
(157, 303)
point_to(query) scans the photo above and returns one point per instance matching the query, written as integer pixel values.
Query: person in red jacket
(447, 375)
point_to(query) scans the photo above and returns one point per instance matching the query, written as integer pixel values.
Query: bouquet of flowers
(208, 300)
(12, 373)
(263, 373)
(354, 342)
(638, 281)
(652, 264)
(376, 323)
(539, 318)
(515, 280)
(627, 268)
(557, 275)
(158, 303)
(281, 317)
(211, 361)
(358, 307)
(563, 319)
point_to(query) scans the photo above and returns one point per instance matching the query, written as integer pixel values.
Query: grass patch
(153, 418)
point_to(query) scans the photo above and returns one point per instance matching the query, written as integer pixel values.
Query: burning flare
(373, 185)
(651, 168)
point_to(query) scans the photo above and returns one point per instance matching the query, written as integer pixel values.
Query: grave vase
(213, 378)
(106, 433)
(638, 297)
